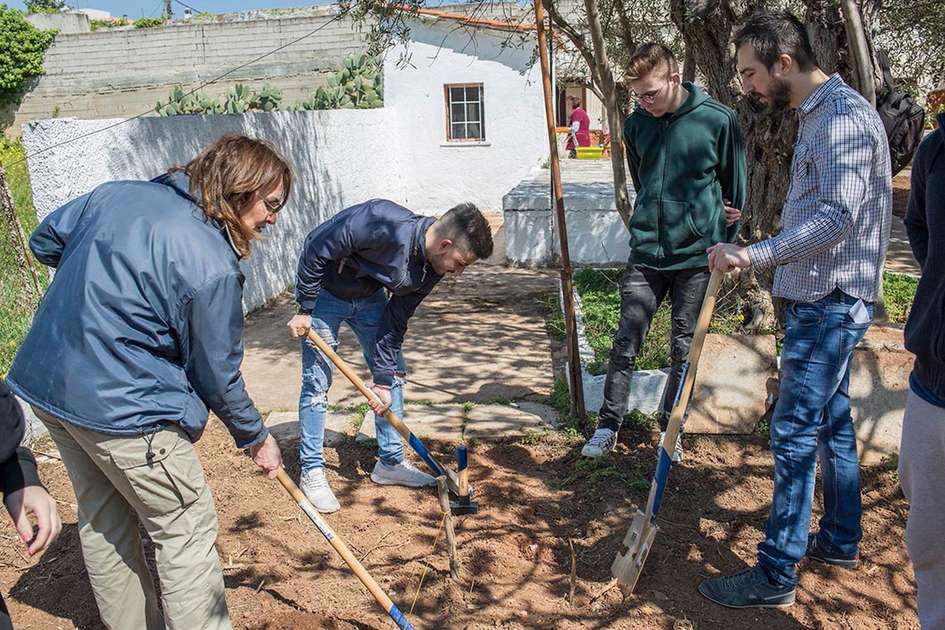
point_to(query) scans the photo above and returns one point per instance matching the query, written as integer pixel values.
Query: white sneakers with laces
(603, 441)
(402, 474)
(315, 486)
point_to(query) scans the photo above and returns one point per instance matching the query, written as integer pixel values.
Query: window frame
(448, 104)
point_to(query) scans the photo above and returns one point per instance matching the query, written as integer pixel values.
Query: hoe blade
(628, 565)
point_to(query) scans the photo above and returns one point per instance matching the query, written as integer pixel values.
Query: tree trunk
(609, 90)
(769, 139)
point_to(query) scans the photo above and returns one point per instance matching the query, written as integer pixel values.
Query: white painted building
(469, 110)
(463, 121)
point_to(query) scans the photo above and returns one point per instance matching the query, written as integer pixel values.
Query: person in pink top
(579, 134)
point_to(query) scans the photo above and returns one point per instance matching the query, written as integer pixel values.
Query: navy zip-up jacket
(925, 224)
(142, 325)
(359, 250)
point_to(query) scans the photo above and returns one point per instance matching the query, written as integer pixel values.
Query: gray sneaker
(402, 474)
(315, 486)
(603, 441)
(677, 452)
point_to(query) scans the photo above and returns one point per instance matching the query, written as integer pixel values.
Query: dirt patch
(515, 553)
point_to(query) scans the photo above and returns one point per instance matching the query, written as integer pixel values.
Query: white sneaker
(677, 452)
(603, 441)
(402, 474)
(314, 485)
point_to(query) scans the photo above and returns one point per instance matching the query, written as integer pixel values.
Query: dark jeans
(641, 291)
(812, 421)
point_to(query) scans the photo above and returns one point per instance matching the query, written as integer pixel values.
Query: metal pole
(574, 358)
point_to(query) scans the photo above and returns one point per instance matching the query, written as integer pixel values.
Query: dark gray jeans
(641, 291)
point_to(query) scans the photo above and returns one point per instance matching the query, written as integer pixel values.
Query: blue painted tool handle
(399, 618)
(424, 454)
(462, 465)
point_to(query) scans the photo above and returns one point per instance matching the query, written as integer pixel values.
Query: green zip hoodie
(683, 165)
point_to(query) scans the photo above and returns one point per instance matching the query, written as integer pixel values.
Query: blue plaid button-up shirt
(837, 213)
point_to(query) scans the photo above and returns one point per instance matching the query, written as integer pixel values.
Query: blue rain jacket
(142, 324)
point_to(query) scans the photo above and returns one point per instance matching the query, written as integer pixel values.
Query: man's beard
(779, 98)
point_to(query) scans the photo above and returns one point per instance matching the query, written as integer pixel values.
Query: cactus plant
(359, 83)
(267, 100)
(179, 103)
(238, 99)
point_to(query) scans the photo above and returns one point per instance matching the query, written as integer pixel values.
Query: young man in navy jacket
(370, 266)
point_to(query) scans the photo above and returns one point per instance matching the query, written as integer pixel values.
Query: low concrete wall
(326, 148)
(597, 235)
(114, 73)
(65, 23)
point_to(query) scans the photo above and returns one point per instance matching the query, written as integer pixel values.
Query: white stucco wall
(341, 157)
(327, 150)
(440, 174)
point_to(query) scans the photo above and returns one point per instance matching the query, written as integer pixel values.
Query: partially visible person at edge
(579, 127)
(922, 453)
(687, 161)
(828, 259)
(139, 334)
(370, 266)
(23, 494)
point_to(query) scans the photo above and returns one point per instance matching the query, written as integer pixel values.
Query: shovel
(628, 564)
(339, 545)
(452, 479)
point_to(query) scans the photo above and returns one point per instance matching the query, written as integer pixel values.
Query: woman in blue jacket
(137, 337)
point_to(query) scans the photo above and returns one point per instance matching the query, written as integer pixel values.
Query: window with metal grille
(465, 114)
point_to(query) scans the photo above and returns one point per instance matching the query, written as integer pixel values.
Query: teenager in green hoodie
(687, 161)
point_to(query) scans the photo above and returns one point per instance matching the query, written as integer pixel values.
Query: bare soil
(515, 554)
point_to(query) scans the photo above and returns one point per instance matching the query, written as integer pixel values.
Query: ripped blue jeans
(363, 316)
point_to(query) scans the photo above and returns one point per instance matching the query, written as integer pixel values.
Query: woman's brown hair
(228, 175)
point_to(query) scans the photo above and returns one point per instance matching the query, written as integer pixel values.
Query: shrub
(24, 47)
(149, 22)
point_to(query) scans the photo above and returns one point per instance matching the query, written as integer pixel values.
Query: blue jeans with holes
(363, 316)
(812, 421)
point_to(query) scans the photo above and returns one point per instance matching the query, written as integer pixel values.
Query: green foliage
(45, 6)
(898, 294)
(599, 290)
(22, 48)
(109, 23)
(267, 100)
(149, 22)
(359, 84)
(239, 99)
(15, 311)
(601, 470)
(181, 103)
(636, 420)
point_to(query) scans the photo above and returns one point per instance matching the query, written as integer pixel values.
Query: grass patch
(356, 412)
(16, 312)
(599, 290)
(898, 294)
(420, 402)
(597, 471)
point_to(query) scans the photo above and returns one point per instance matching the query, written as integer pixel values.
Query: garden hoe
(339, 545)
(460, 492)
(628, 565)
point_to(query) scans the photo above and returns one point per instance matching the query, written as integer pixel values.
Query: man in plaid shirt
(828, 255)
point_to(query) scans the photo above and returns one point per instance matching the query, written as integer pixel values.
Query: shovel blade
(628, 566)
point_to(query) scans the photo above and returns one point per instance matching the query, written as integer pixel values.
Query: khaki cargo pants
(155, 481)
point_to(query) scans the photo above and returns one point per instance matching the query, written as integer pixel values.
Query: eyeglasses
(273, 205)
(650, 97)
